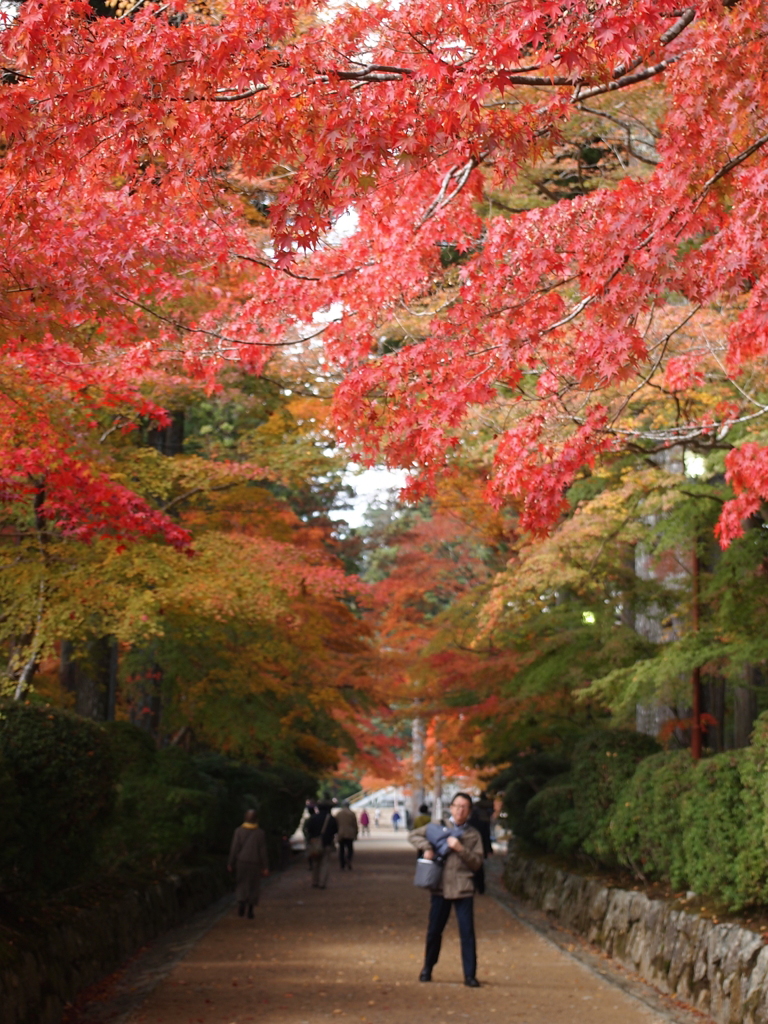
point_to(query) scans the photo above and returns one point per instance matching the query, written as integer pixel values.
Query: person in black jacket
(321, 834)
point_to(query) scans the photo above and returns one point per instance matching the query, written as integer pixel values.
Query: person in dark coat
(248, 860)
(346, 826)
(321, 836)
(480, 819)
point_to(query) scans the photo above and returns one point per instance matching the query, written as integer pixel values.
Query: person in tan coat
(456, 888)
(346, 821)
(248, 860)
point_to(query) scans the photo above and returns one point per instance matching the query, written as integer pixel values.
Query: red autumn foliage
(131, 145)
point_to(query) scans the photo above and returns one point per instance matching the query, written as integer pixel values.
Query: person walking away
(321, 835)
(248, 862)
(346, 823)
(311, 810)
(365, 824)
(480, 819)
(376, 817)
(396, 820)
(463, 852)
(482, 814)
(423, 817)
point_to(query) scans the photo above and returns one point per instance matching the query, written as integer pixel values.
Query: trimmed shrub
(522, 780)
(63, 776)
(78, 798)
(603, 762)
(752, 859)
(550, 818)
(645, 828)
(9, 827)
(712, 823)
(165, 809)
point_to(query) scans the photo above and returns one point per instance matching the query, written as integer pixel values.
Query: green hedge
(645, 829)
(165, 808)
(570, 814)
(81, 800)
(712, 825)
(62, 777)
(700, 826)
(603, 762)
(752, 859)
(521, 781)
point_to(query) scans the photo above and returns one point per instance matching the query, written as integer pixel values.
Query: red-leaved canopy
(136, 149)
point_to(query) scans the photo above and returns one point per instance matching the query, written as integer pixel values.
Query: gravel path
(353, 952)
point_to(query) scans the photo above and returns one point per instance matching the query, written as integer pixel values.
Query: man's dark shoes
(241, 909)
(425, 975)
(472, 983)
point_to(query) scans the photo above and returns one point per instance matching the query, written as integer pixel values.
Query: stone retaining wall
(53, 966)
(722, 969)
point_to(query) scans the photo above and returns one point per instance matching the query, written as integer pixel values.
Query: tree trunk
(169, 440)
(745, 708)
(91, 678)
(714, 704)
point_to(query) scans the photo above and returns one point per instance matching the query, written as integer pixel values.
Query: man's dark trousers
(439, 912)
(345, 852)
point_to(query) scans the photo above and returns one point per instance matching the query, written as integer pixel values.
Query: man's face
(460, 810)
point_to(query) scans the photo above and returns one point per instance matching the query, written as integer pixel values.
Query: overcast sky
(370, 485)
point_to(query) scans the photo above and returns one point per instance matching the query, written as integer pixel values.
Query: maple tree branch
(197, 490)
(371, 69)
(302, 277)
(685, 19)
(626, 80)
(240, 95)
(744, 394)
(727, 168)
(443, 197)
(217, 334)
(136, 6)
(622, 76)
(627, 127)
(120, 421)
(696, 497)
(664, 345)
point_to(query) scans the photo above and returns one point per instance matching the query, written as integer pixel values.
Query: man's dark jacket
(316, 826)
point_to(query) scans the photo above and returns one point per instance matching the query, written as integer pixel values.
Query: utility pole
(437, 810)
(417, 753)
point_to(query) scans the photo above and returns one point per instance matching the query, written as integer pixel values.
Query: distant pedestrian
(423, 817)
(376, 817)
(321, 833)
(480, 819)
(461, 849)
(346, 822)
(248, 861)
(311, 807)
(482, 814)
(396, 820)
(365, 824)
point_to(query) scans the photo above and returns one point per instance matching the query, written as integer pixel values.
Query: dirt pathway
(353, 953)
